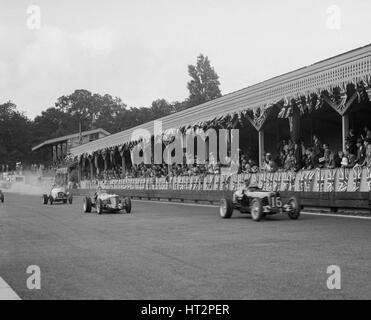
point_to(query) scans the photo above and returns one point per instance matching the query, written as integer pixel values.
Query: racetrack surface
(174, 251)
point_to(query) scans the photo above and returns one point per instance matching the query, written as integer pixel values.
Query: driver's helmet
(253, 185)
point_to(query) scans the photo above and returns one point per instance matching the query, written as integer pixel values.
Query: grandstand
(325, 99)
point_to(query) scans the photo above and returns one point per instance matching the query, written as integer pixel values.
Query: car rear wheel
(99, 206)
(256, 209)
(127, 204)
(45, 199)
(294, 212)
(51, 200)
(87, 205)
(70, 198)
(226, 208)
(2, 199)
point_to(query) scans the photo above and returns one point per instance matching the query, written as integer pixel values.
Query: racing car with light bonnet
(104, 201)
(252, 200)
(1, 196)
(58, 194)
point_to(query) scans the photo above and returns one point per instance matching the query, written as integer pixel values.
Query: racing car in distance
(259, 204)
(1, 196)
(104, 201)
(58, 194)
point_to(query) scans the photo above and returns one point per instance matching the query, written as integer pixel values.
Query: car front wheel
(127, 205)
(87, 205)
(99, 206)
(226, 208)
(294, 212)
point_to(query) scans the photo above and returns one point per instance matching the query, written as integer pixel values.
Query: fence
(318, 180)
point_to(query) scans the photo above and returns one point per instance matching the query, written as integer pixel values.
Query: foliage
(204, 85)
(15, 134)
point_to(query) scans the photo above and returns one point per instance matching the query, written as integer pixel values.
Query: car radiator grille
(113, 202)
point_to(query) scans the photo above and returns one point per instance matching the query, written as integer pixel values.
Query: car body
(104, 201)
(2, 198)
(58, 194)
(259, 204)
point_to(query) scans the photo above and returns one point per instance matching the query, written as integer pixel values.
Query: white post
(79, 169)
(345, 128)
(261, 147)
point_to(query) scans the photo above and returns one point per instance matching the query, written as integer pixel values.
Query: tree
(15, 135)
(161, 108)
(91, 110)
(53, 123)
(107, 111)
(204, 85)
(81, 105)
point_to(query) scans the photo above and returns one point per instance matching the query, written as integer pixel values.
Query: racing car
(58, 194)
(104, 201)
(259, 204)
(1, 196)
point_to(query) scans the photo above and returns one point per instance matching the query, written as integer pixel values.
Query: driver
(99, 189)
(241, 192)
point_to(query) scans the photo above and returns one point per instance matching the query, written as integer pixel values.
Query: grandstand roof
(322, 75)
(70, 136)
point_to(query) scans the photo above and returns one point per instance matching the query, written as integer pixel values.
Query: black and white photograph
(185, 155)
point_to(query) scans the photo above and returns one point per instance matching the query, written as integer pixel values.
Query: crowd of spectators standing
(290, 156)
(294, 156)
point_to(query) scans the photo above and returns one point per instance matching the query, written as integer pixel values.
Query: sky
(139, 50)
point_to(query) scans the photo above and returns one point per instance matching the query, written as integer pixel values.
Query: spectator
(351, 142)
(290, 161)
(348, 160)
(298, 156)
(366, 135)
(361, 152)
(309, 164)
(368, 156)
(333, 162)
(325, 160)
(317, 151)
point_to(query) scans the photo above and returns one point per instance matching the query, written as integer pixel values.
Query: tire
(70, 199)
(64, 201)
(45, 199)
(294, 214)
(127, 204)
(226, 208)
(87, 205)
(51, 200)
(256, 209)
(99, 206)
(2, 199)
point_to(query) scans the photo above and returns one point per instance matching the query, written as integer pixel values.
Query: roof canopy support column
(91, 167)
(96, 165)
(79, 167)
(104, 155)
(294, 121)
(54, 153)
(123, 164)
(345, 128)
(261, 147)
